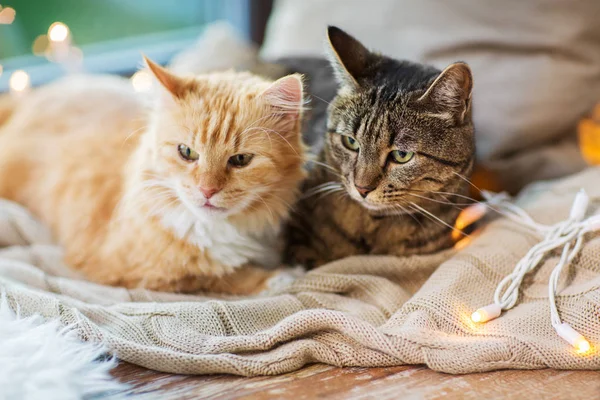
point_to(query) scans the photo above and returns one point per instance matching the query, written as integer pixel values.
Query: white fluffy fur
(42, 360)
(222, 240)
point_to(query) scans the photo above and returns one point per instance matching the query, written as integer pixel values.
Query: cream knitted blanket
(362, 311)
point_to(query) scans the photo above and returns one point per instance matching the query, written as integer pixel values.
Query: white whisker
(132, 133)
(329, 167)
(427, 213)
(324, 187)
(439, 201)
(464, 178)
(266, 205)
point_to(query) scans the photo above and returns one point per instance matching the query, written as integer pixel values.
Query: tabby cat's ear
(348, 57)
(450, 93)
(175, 85)
(286, 96)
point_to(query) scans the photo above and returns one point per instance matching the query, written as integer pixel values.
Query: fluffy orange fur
(85, 156)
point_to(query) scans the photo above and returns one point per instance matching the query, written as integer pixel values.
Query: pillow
(221, 47)
(536, 65)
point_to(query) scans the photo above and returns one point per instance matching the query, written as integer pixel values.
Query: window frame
(124, 56)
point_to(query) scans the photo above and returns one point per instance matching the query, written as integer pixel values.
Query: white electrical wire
(567, 234)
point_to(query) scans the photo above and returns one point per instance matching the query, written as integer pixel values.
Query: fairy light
(583, 346)
(487, 313)
(466, 217)
(141, 81)
(568, 234)
(589, 138)
(58, 47)
(573, 337)
(40, 45)
(19, 81)
(7, 15)
(462, 243)
(58, 32)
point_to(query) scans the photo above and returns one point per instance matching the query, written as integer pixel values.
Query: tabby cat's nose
(364, 191)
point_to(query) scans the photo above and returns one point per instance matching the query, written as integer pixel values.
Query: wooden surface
(324, 382)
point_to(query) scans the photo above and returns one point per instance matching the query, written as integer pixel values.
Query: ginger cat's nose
(209, 192)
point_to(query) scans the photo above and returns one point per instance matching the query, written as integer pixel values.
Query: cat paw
(283, 279)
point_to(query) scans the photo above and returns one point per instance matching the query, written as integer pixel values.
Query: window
(48, 38)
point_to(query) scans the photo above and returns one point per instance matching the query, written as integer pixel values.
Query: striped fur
(386, 105)
(108, 178)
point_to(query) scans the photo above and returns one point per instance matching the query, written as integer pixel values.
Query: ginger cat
(188, 197)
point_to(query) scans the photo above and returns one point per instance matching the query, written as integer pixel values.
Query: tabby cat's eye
(187, 153)
(350, 143)
(240, 160)
(401, 157)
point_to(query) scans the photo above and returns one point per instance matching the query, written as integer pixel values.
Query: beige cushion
(221, 47)
(536, 65)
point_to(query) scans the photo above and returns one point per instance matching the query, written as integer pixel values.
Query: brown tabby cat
(189, 197)
(398, 151)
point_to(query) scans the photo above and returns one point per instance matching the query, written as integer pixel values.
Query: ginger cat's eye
(401, 157)
(240, 160)
(187, 153)
(350, 143)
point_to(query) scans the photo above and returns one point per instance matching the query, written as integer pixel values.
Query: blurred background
(536, 63)
(47, 38)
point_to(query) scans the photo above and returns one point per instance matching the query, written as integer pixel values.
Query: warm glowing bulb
(486, 313)
(141, 81)
(462, 243)
(7, 15)
(468, 216)
(19, 81)
(582, 346)
(58, 32)
(40, 45)
(573, 337)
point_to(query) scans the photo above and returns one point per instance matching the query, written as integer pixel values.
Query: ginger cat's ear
(175, 85)
(286, 96)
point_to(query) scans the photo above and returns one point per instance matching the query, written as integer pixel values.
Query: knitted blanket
(362, 311)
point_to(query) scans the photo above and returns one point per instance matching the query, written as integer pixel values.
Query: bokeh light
(141, 81)
(19, 81)
(58, 32)
(7, 15)
(582, 346)
(40, 45)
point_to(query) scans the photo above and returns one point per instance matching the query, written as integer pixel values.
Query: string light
(7, 15)
(573, 337)
(141, 81)
(487, 313)
(469, 215)
(462, 243)
(466, 217)
(19, 81)
(58, 32)
(57, 46)
(40, 45)
(561, 234)
(589, 138)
